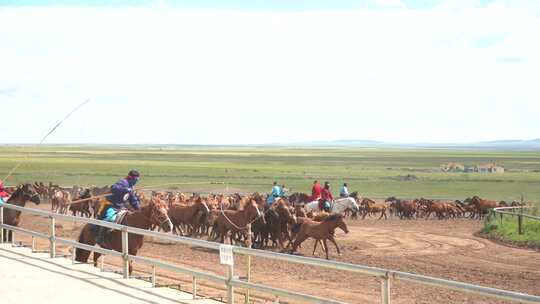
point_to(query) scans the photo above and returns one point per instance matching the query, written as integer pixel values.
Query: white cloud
(209, 76)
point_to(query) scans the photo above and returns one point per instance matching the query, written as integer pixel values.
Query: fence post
(33, 244)
(230, 288)
(385, 289)
(52, 236)
(248, 275)
(125, 253)
(153, 276)
(520, 224)
(194, 288)
(102, 263)
(1, 223)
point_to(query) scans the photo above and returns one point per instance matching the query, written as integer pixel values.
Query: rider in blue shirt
(276, 193)
(122, 193)
(344, 191)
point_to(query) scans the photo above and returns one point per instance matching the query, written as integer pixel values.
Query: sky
(255, 72)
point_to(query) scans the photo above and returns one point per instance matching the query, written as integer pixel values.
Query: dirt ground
(446, 249)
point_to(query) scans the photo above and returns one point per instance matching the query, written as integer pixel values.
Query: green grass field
(373, 172)
(506, 229)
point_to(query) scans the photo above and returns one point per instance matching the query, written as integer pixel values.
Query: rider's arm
(134, 200)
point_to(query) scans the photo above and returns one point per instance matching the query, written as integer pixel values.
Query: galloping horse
(22, 194)
(319, 231)
(338, 207)
(155, 213)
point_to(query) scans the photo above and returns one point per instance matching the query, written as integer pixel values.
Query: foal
(320, 231)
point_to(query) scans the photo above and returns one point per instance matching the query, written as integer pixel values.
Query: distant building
(489, 168)
(452, 167)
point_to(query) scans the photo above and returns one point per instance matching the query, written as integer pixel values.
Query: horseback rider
(4, 196)
(122, 192)
(316, 191)
(275, 195)
(344, 191)
(326, 198)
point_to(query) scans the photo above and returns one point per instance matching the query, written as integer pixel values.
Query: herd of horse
(285, 224)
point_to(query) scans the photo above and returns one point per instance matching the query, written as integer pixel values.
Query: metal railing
(520, 215)
(230, 281)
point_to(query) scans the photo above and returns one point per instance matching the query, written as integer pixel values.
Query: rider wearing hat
(122, 193)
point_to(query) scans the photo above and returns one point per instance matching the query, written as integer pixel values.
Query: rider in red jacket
(3, 194)
(316, 191)
(326, 197)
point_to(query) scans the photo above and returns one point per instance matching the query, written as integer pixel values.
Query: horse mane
(332, 217)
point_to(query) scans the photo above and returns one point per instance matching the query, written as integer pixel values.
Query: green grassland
(506, 229)
(373, 172)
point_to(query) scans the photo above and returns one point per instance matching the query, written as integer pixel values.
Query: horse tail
(82, 255)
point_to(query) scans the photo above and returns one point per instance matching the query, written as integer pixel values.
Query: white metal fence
(519, 215)
(230, 281)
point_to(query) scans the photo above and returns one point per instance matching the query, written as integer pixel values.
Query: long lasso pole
(45, 137)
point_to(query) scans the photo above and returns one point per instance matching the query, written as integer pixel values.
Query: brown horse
(320, 231)
(186, 215)
(481, 206)
(236, 220)
(286, 218)
(155, 213)
(22, 194)
(82, 207)
(371, 207)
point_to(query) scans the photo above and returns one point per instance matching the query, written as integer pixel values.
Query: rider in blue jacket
(276, 193)
(122, 193)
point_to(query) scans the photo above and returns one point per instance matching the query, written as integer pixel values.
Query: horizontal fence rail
(230, 281)
(520, 215)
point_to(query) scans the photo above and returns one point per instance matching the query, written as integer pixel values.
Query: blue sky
(220, 72)
(260, 5)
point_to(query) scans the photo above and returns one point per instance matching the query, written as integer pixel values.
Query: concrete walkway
(27, 277)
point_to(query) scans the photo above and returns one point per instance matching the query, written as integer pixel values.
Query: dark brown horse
(22, 194)
(286, 218)
(82, 207)
(320, 231)
(299, 198)
(481, 206)
(155, 213)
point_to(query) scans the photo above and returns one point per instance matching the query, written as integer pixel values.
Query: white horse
(338, 207)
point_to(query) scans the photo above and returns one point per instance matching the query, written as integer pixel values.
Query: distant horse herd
(221, 217)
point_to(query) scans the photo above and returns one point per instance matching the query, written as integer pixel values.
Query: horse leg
(331, 238)
(315, 247)
(96, 257)
(325, 248)
(299, 239)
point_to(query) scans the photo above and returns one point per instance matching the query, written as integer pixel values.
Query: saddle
(120, 216)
